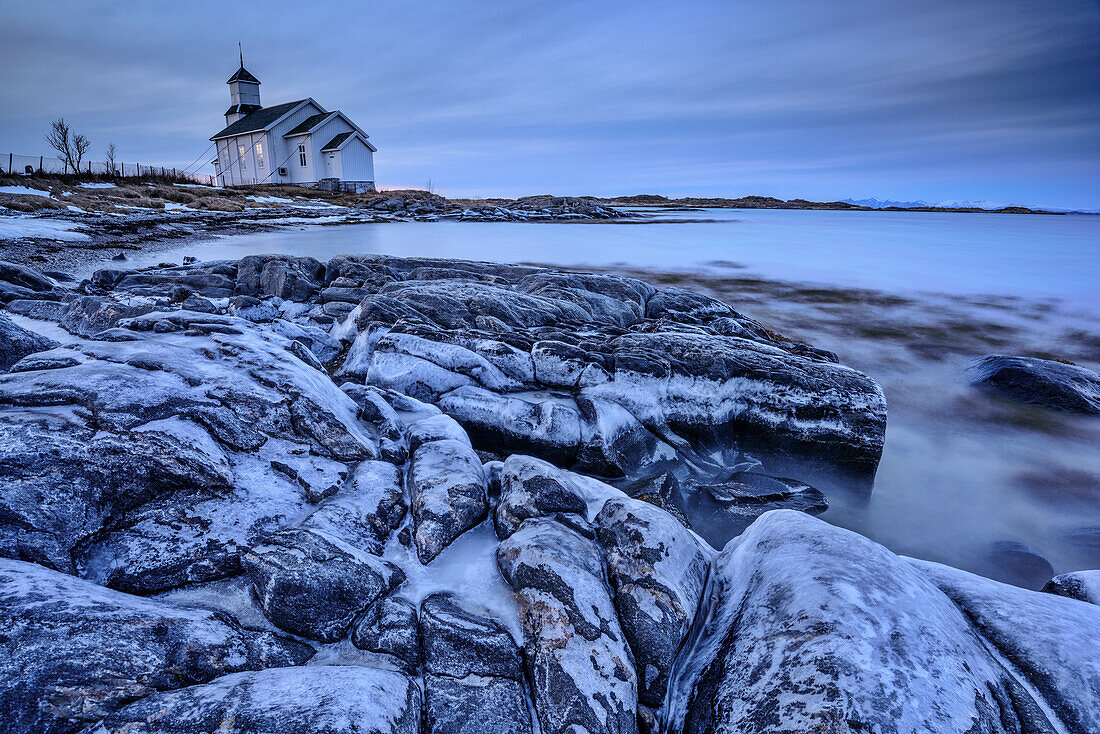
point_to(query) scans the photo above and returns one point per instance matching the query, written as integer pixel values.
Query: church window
(260, 155)
(302, 154)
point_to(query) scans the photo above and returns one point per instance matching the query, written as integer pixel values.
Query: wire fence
(16, 164)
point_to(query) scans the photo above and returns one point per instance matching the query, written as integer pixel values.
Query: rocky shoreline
(410, 495)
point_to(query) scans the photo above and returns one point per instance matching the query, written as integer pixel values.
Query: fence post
(10, 156)
(41, 160)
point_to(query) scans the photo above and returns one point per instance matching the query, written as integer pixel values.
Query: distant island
(770, 202)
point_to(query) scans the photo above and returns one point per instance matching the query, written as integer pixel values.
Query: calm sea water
(910, 299)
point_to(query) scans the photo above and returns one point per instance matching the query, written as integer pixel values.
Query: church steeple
(244, 93)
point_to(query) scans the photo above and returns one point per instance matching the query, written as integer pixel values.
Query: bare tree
(80, 147)
(112, 151)
(60, 139)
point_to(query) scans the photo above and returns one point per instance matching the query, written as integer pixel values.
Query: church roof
(307, 124)
(258, 120)
(242, 75)
(338, 140)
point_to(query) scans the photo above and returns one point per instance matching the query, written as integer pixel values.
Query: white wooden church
(296, 142)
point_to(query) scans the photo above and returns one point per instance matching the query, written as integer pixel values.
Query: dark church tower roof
(242, 75)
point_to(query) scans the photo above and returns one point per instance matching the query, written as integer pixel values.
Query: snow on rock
(72, 652)
(324, 698)
(366, 510)
(1081, 585)
(805, 626)
(582, 672)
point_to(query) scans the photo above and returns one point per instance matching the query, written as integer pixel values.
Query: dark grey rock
(389, 626)
(1044, 382)
(20, 282)
(89, 315)
(531, 487)
(316, 586)
(72, 652)
(326, 699)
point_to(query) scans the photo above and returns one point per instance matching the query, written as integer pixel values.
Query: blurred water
(909, 298)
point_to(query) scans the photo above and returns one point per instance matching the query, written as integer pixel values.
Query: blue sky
(995, 100)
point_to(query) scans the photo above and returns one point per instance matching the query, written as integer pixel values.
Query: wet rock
(1044, 382)
(329, 699)
(1015, 563)
(447, 482)
(314, 585)
(458, 641)
(809, 627)
(1080, 585)
(16, 343)
(389, 626)
(581, 669)
(366, 510)
(72, 652)
(657, 569)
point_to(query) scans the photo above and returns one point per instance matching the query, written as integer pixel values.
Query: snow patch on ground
(23, 191)
(271, 199)
(96, 186)
(15, 228)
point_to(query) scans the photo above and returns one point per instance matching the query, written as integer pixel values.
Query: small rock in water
(1051, 384)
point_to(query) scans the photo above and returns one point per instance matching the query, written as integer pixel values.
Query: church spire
(244, 92)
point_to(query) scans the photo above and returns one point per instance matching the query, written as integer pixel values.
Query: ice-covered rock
(1081, 585)
(72, 652)
(582, 672)
(316, 585)
(449, 495)
(1045, 382)
(805, 626)
(324, 698)
(457, 641)
(1047, 642)
(657, 569)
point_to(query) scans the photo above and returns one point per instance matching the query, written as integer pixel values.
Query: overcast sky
(995, 100)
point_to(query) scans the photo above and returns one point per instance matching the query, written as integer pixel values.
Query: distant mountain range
(873, 203)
